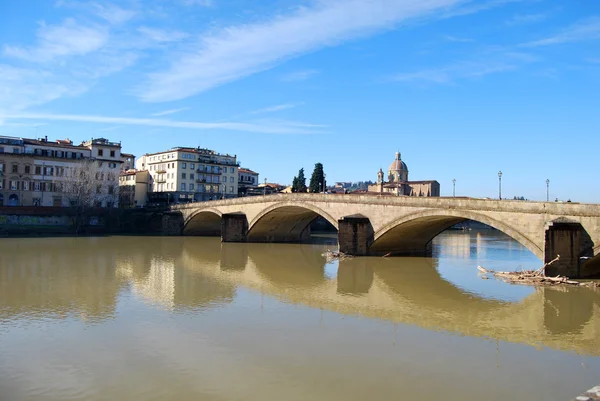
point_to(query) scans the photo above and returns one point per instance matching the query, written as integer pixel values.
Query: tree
(317, 180)
(85, 186)
(299, 183)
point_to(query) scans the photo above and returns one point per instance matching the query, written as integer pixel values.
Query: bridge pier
(355, 235)
(234, 227)
(564, 238)
(172, 224)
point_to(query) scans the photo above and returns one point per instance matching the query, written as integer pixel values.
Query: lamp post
(500, 185)
(547, 190)
(324, 183)
(265, 186)
(454, 187)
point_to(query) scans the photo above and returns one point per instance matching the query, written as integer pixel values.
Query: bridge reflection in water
(86, 278)
(402, 290)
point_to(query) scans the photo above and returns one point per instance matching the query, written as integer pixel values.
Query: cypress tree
(317, 180)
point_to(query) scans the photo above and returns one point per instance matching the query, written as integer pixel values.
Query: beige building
(397, 182)
(190, 174)
(34, 172)
(133, 188)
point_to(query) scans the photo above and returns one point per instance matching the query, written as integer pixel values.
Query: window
(191, 176)
(14, 185)
(38, 170)
(183, 186)
(98, 188)
(15, 168)
(36, 186)
(112, 153)
(231, 169)
(230, 179)
(111, 190)
(48, 171)
(183, 176)
(1, 149)
(25, 185)
(192, 166)
(27, 169)
(230, 190)
(183, 165)
(224, 178)
(192, 187)
(100, 152)
(15, 150)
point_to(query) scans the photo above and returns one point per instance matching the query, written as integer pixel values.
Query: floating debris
(330, 256)
(535, 277)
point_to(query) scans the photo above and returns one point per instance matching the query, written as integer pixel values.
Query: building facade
(397, 182)
(38, 172)
(133, 188)
(190, 175)
(247, 181)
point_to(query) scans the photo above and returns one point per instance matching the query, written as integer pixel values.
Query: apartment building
(133, 188)
(35, 172)
(191, 174)
(247, 181)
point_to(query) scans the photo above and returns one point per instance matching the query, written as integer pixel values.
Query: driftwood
(330, 256)
(535, 277)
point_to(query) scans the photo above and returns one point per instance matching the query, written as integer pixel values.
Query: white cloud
(588, 29)
(265, 127)
(462, 70)
(55, 41)
(21, 88)
(234, 52)
(171, 111)
(522, 19)
(275, 108)
(112, 13)
(301, 75)
(451, 38)
(160, 35)
(202, 3)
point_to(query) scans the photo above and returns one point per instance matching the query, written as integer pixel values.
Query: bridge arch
(286, 222)
(204, 222)
(415, 231)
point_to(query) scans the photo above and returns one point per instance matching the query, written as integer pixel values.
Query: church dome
(397, 164)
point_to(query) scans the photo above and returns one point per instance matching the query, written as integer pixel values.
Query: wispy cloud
(467, 69)
(270, 127)
(523, 19)
(588, 29)
(202, 3)
(67, 39)
(22, 88)
(275, 108)
(301, 75)
(160, 35)
(113, 13)
(235, 52)
(169, 112)
(451, 38)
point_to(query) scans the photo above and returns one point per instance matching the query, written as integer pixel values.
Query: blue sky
(461, 88)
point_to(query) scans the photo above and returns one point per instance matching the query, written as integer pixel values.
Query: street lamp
(265, 186)
(500, 185)
(323, 182)
(547, 190)
(454, 187)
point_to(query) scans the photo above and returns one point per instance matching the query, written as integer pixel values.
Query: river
(189, 318)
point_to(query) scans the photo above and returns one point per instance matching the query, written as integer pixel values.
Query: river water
(189, 318)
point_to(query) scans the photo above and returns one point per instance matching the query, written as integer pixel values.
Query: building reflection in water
(84, 277)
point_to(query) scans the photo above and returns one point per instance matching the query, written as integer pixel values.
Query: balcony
(160, 180)
(162, 171)
(201, 180)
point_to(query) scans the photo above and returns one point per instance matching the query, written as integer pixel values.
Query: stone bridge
(374, 225)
